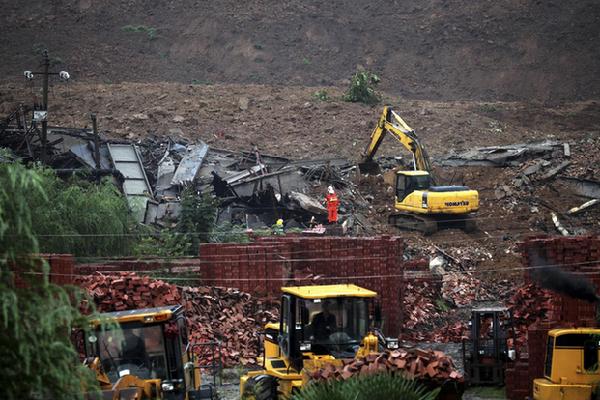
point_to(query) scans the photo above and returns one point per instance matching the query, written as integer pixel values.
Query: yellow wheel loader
(318, 325)
(420, 204)
(571, 368)
(146, 355)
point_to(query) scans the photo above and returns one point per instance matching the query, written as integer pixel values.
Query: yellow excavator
(420, 204)
(318, 325)
(144, 354)
(571, 369)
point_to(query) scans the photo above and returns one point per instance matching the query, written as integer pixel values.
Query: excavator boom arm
(392, 123)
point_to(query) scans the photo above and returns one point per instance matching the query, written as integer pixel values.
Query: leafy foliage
(197, 218)
(362, 88)
(37, 359)
(229, 233)
(382, 386)
(78, 217)
(321, 95)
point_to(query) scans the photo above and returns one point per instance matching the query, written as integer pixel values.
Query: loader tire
(262, 387)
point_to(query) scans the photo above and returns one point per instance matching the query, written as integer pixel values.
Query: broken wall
(579, 255)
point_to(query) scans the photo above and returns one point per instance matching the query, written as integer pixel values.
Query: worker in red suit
(332, 205)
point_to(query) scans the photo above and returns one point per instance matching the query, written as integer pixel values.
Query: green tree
(362, 88)
(80, 217)
(37, 358)
(196, 219)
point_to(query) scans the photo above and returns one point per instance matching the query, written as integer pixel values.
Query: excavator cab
(409, 181)
(318, 325)
(144, 354)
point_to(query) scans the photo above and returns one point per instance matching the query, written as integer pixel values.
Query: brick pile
(574, 254)
(422, 320)
(128, 291)
(263, 266)
(266, 264)
(528, 305)
(426, 366)
(230, 316)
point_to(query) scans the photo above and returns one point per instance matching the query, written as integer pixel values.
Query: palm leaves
(383, 386)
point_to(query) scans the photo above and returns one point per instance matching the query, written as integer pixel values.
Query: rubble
(231, 317)
(426, 366)
(528, 305)
(501, 156)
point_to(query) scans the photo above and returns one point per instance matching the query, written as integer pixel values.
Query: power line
(405, 274)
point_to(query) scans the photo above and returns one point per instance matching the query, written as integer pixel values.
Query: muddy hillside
(459, 49)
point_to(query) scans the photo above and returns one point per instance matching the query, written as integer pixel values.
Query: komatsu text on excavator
(420, 204)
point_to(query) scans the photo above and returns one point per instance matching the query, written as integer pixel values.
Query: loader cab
(571, 367)
(409, 181)
(149, 344)
(323, 320)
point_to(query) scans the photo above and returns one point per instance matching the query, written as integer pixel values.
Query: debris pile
(426, 319)
(128, 291)
(427, 366)
(463, 289)
(230, 316)
(529, 304)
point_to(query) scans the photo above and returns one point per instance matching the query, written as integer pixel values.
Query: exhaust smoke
(553, 278)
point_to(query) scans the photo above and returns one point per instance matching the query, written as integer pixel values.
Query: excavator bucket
(369, 167)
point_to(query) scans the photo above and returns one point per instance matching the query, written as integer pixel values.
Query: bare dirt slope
(459, 49)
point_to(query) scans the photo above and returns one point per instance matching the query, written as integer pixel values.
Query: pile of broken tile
(426, 366)
(228, 316)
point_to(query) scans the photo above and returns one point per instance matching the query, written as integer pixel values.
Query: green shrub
(487, 108)
(321, 95)
(229, 233)
(383, 386)
(148, 30)
(362, 88)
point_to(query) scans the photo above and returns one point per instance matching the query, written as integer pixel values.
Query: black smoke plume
(553, 278)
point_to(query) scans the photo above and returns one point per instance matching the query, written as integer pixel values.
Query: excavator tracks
(430, 224)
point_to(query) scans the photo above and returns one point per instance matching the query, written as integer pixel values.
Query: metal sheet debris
(127, 160)
(190, 164)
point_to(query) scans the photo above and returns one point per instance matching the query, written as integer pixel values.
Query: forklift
(486, 351)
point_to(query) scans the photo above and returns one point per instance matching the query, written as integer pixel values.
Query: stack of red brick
(574, 254)
(427, 366)
(61, 270)
(267, 264)
(231, 317)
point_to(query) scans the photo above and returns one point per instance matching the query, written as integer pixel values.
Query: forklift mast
(486, 351)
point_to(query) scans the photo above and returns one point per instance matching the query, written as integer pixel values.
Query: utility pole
(45, 106)
(96, 141)
(43, 115)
